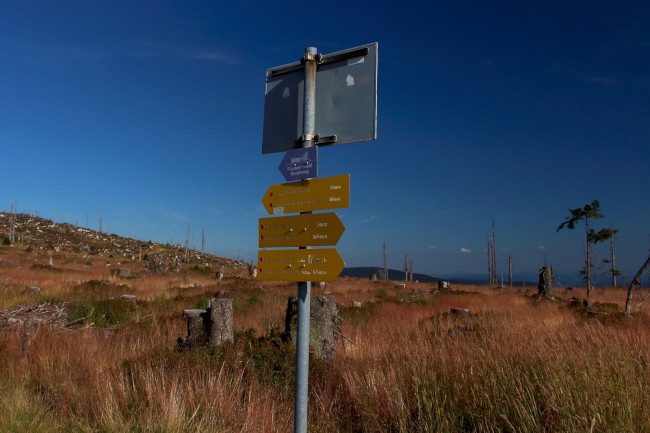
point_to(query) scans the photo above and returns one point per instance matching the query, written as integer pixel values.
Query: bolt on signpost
(339, 105)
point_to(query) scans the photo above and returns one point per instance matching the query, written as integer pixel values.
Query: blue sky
(149, 113)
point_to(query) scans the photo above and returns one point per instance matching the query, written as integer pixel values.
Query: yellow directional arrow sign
(299, 265)
(308, 195)
(309, 230)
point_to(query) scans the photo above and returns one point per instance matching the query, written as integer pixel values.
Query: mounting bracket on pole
(316, 139)
(311, 56)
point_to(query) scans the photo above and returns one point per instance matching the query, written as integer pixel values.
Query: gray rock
(129, 298)
(33, 289)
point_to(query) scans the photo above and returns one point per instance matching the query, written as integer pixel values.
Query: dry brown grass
(512, 365)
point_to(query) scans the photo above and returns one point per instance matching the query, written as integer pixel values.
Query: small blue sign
(300, 164)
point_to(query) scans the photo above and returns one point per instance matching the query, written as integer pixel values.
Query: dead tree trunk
(545, 285)
(636, 282)
(510, 271)
(211, 327)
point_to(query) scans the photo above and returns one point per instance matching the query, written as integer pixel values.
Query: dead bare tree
(385, 264)
(636, 282)
(510, 271)
(187, 245)
(492, 257)
(12, 224)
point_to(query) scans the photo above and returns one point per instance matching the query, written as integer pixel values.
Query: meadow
(406, 364)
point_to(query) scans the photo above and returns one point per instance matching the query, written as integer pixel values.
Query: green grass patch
(205, 270)
(103, 313)
(95, 289)
(23, 411)
(47, 268)
(356, 316)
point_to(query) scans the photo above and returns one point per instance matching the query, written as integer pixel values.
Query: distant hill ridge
(562, 279)
(366, 272)
(44, 234)
(40, 233)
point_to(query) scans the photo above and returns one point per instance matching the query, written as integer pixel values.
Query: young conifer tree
(585, 213)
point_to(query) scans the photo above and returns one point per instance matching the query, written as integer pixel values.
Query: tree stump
(220, 324)
(197, 331)
(322, 324)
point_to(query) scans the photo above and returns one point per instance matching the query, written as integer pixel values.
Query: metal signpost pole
(304, 288)
(350, 78)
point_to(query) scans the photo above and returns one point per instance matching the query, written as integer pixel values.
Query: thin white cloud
(606, 81)
(367, 220)
(541, 247)
(70, 55)
(465, 250)
(169, 51)
(595, 78)
(444, 212)
(432, 247)
(208, 55)
(176, 217)
(411, 218)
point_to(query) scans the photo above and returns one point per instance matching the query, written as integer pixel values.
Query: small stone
(129, 298)
(124, 273)
(597, 313)
(33, 289)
